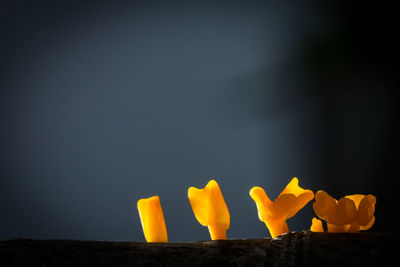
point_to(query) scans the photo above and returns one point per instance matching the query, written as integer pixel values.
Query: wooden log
(292, 249)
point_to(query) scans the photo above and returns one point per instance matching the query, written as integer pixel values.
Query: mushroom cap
(209, 206)
(355, 209)
(292, 199)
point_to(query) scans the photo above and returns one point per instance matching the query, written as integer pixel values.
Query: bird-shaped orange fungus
(210, 209)
(350, 214)
(152, 218)
(286, 205)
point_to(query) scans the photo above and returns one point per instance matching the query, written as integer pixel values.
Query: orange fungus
(210, 209)
(350, 214)
(286, 205)
(152, 218)
(316, 225)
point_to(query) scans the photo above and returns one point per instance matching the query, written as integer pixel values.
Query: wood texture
(292, 249)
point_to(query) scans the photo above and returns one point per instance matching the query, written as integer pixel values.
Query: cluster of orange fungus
(350, 214)
(210, 209)
(152, 218)
(286, 205)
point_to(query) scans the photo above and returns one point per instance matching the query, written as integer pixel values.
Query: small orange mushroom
(210, 209)
(350, 214)
(286, 205)
(316, 225)
(152, 219)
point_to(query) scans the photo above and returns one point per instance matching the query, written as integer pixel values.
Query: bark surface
(292, 249)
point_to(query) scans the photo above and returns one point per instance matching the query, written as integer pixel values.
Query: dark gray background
(103, 103)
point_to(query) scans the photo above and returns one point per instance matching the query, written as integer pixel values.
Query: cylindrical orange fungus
(152, 218)
(286, 205)
(210, 209)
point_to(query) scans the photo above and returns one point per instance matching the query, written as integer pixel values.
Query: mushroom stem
(277, 227)
(217, 232)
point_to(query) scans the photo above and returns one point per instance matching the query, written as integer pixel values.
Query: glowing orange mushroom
(152, 218)
(316, 225)
(350, 214)
(286, 205)
(210, 209)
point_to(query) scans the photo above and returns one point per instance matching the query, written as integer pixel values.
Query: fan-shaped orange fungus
(210, 209)
(152, 218)
(350, 214)
(316, 225)
(286, 205)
